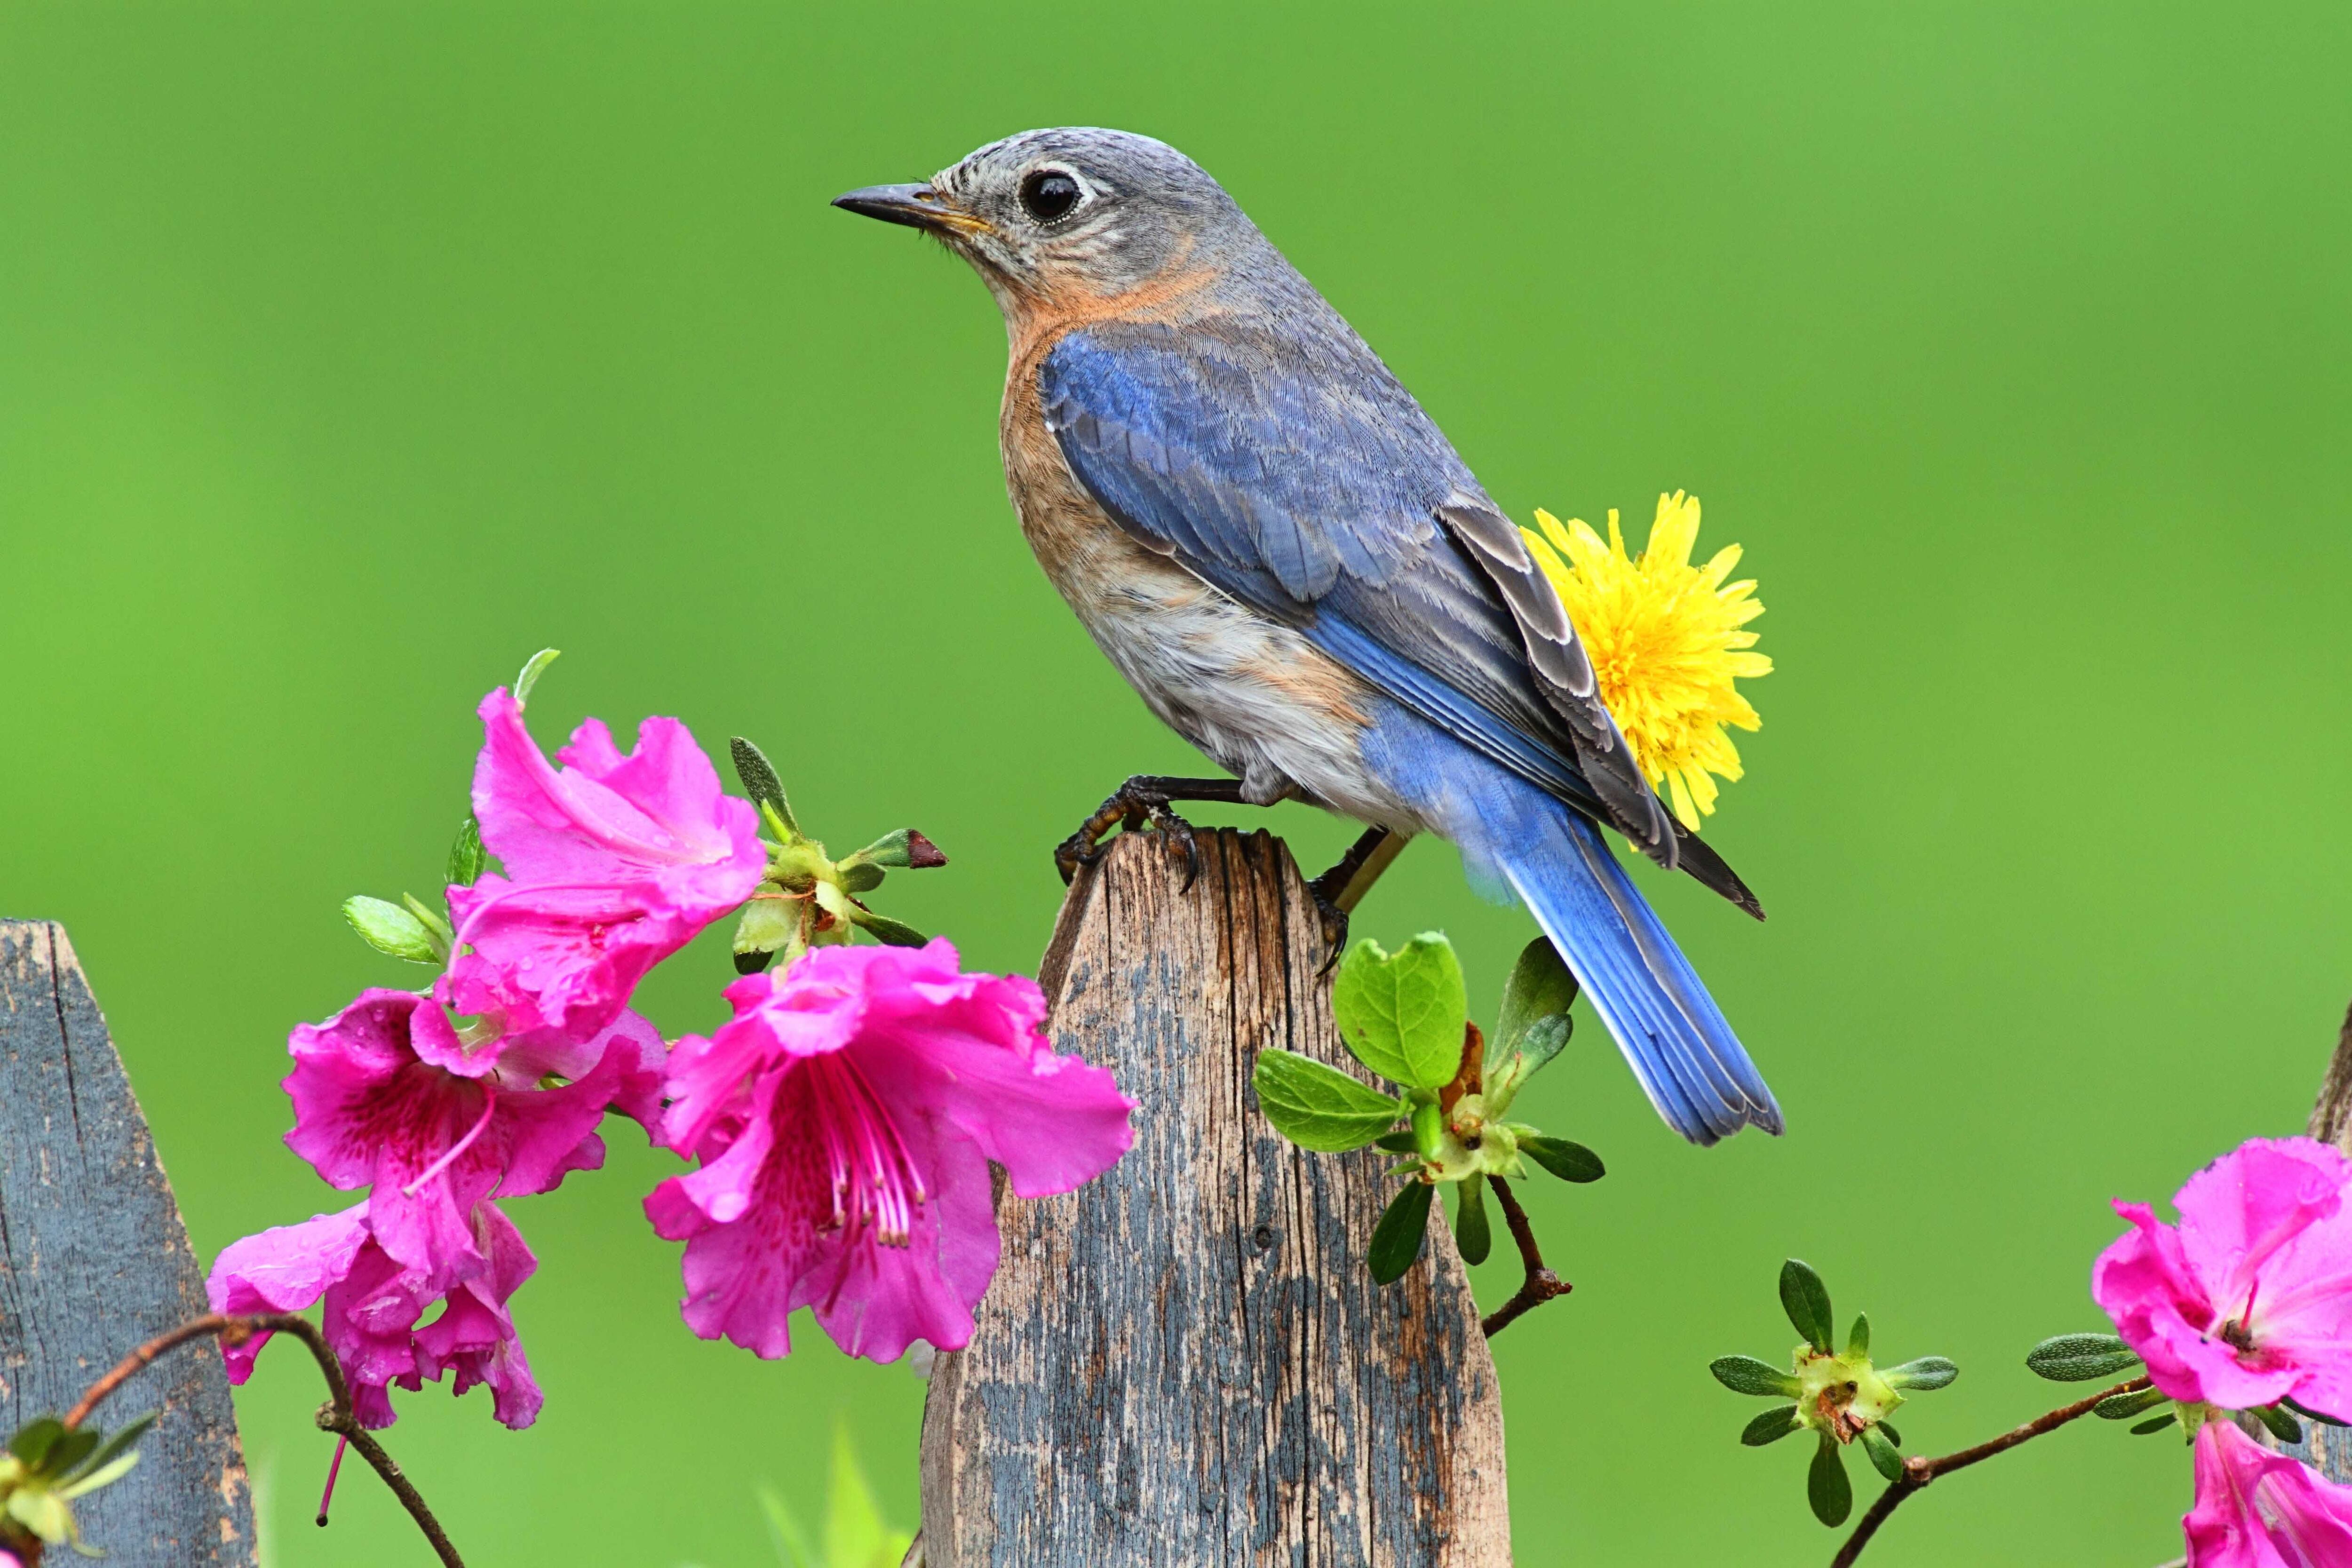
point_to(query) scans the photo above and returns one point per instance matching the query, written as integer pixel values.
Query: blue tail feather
(1676, 1040)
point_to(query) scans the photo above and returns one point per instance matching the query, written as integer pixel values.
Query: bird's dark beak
(917, 206)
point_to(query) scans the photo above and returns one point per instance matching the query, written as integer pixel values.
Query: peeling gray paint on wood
(2330, 1447)
(94, 1260)
(1186, 1361)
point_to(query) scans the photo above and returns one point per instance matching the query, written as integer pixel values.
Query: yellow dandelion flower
(1665, 638)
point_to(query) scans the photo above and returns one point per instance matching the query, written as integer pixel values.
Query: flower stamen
(489, 1104)
(873, 1179)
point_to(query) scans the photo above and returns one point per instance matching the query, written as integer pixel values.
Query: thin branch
(1542, 1285)
(212, 1323)
(1917, 1472)
(335, 1416)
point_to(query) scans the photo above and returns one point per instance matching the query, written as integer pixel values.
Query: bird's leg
(1338, 890)
(1147, 798)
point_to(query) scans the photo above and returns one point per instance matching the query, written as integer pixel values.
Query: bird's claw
(1128, 807)
(1335, 926)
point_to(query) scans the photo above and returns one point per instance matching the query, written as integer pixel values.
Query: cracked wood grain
(1186, 1363)
(2330, 1447)
(94, 1260)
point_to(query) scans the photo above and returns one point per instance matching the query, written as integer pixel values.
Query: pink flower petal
(369, 1110)
(612, 864)
(2256, 1508)
(845, 1119)
(475, 1338)
(282, 1269)
(2248, 1300)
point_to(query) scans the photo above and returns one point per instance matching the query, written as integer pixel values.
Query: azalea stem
(335, 1416)
(1918, 1472)
(1542, 1285)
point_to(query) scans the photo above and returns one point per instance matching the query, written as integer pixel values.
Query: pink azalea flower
(612, 863)
(844, 1120)
(2256, 1508)
(373, 1306)
(2248, 1300)
(385, 1096)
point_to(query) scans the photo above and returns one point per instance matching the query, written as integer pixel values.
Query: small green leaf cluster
(48, 1464)
(807, 898)
(412, 929)
(1405, 1016)
(1840, 1394)
(2086, 1358)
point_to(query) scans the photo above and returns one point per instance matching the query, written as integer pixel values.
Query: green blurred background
(349, 353)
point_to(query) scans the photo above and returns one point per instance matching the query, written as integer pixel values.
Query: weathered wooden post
(1186, 1363)
(94, 1260)
(2330, 1447)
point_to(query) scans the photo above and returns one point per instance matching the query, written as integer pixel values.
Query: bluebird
(1287, 559)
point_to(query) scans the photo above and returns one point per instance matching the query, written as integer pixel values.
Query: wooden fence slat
(94, 1260)
(2330, 1447)
(1186, 1361)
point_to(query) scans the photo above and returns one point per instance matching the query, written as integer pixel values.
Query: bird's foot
(1335, 928)
(1341, 889)
(1145, 797)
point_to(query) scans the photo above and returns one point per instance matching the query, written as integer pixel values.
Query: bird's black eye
(1048, 194)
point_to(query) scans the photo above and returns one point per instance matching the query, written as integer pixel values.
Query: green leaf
(2079, 1358)
(105, 1475)
(1396, 1241)
(1892, 1434)
(759, 781)
(791, 1541)
(1402, 1014)
(888, 931)
(533, 667)
(1826, 1487)
(2156, 1424)
(1926, 1374)
(1545, 1039)
(2307, 1413)
(1318, 1107)
(2124, 1406)
(860, 877)
(1398, 1142)
(1746, 1375)
(467, 859)
(1884, 1458)
(122, 1439)
(766, 925)
(432, 921)
(1471, 1233)
(1428, 1129)
(41, 1510)
(68, 1450)
(1533, 1023)
(1807, 1301)
(2283, 1428)
(1771, 1426)
(903, 850)
(1570, 1162)
(1858, 1343)
(392, 930)
(33, 1439)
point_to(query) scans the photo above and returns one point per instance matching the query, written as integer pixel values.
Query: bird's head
(1053, 219)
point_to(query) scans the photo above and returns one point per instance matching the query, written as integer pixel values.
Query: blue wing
(1331, 502)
